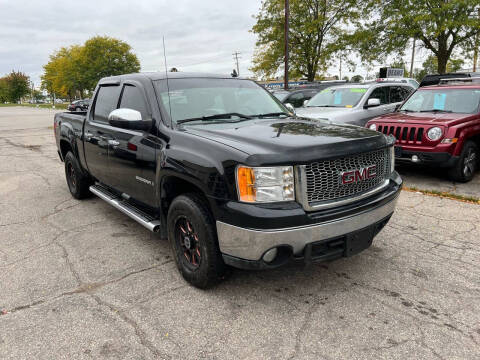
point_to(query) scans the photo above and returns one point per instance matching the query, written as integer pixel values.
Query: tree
(105, 56)
(441, 26)
(315, 35)
(63, 75)
(356, 78)
(430, 66)
(3, 90)
(17, 85)
(73, 70)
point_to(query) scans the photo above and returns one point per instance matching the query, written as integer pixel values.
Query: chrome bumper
(251, 244)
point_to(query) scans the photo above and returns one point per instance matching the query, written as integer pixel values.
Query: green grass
(448, 195)
(43, 106)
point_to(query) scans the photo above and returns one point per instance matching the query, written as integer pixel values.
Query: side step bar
(128, 209)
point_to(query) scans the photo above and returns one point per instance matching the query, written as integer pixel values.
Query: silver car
(357, 103)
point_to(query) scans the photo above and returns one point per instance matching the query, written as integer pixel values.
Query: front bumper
(244, 247)
(440, 159)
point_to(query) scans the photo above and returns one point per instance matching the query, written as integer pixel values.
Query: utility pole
(340, 69)
(413, 58)
(287, 16)
(475, 49)
(235, 55)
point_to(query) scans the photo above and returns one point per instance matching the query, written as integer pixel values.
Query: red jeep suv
(439, 126)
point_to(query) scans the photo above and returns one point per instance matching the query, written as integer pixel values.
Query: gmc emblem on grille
(355, 176)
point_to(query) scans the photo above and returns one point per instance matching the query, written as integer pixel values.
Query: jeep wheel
(78, 182)
(464, 170)
(192, 235)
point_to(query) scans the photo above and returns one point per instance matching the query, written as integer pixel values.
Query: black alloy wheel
(189, 242)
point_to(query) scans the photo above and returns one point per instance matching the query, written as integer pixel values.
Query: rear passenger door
(96, 132)
(132, 153)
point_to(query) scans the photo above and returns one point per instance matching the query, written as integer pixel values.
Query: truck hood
(290, 141)
(423, 118)
(322, 112)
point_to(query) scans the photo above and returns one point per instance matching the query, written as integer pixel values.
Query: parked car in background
(434, 79)
(414, 83)
(227, 173)
(295, 97)
(439, 126)
(79, 105)
(356, 104)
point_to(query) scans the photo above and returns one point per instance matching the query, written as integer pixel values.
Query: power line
(235, 57)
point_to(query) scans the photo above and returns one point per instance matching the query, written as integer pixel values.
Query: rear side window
(132, 98)
(106, 102)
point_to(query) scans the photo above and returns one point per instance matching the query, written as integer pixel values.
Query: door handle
(113, 143)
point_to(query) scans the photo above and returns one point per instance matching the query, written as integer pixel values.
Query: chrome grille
(323, 179)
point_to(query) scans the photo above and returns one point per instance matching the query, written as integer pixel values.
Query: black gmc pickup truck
(227, 173)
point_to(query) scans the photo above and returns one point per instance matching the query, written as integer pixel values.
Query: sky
(199, 35)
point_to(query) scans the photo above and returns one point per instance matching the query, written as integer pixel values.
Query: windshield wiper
(437, 110)
(323, 106)
(269, 115)
(407, 110)
(216, 116)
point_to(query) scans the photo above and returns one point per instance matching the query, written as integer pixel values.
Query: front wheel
(467, 164)
(192, 235)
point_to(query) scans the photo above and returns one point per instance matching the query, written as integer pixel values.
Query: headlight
(265, 184)
(434, 133)
(392, 159)
(373, 127)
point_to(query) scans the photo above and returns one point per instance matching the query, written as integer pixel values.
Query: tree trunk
(442, 54)
(442, 60)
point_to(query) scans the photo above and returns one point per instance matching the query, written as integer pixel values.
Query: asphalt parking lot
(80, 280)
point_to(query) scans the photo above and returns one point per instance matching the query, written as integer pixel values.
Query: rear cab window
(106, 101)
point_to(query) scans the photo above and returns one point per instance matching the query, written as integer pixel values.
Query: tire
(78, 109)
(193, 238)
(78, 183)
(467, 164)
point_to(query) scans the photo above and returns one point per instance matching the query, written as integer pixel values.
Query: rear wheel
(78, 182)
(192, 235)
(467, 165)
(78, 109)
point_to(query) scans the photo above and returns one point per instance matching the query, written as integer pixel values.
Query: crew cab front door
(132, 154)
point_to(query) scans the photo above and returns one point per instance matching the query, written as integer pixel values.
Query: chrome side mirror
(305, 103)
(128, 119)
(290, 107)
(373, 102)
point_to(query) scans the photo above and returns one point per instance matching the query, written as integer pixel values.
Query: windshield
(463, 101)
(198, 98)
(337, 97)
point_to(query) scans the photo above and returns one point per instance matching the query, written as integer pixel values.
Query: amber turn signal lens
(246, 184)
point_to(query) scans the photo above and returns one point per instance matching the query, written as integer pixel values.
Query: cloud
(199, 35)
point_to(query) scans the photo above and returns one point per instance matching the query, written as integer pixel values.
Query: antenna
(168, 87)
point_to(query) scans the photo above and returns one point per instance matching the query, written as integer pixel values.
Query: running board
(128, 209)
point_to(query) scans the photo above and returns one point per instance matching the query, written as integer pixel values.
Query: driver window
(132, 98)
(296, 99)
(380, 93)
